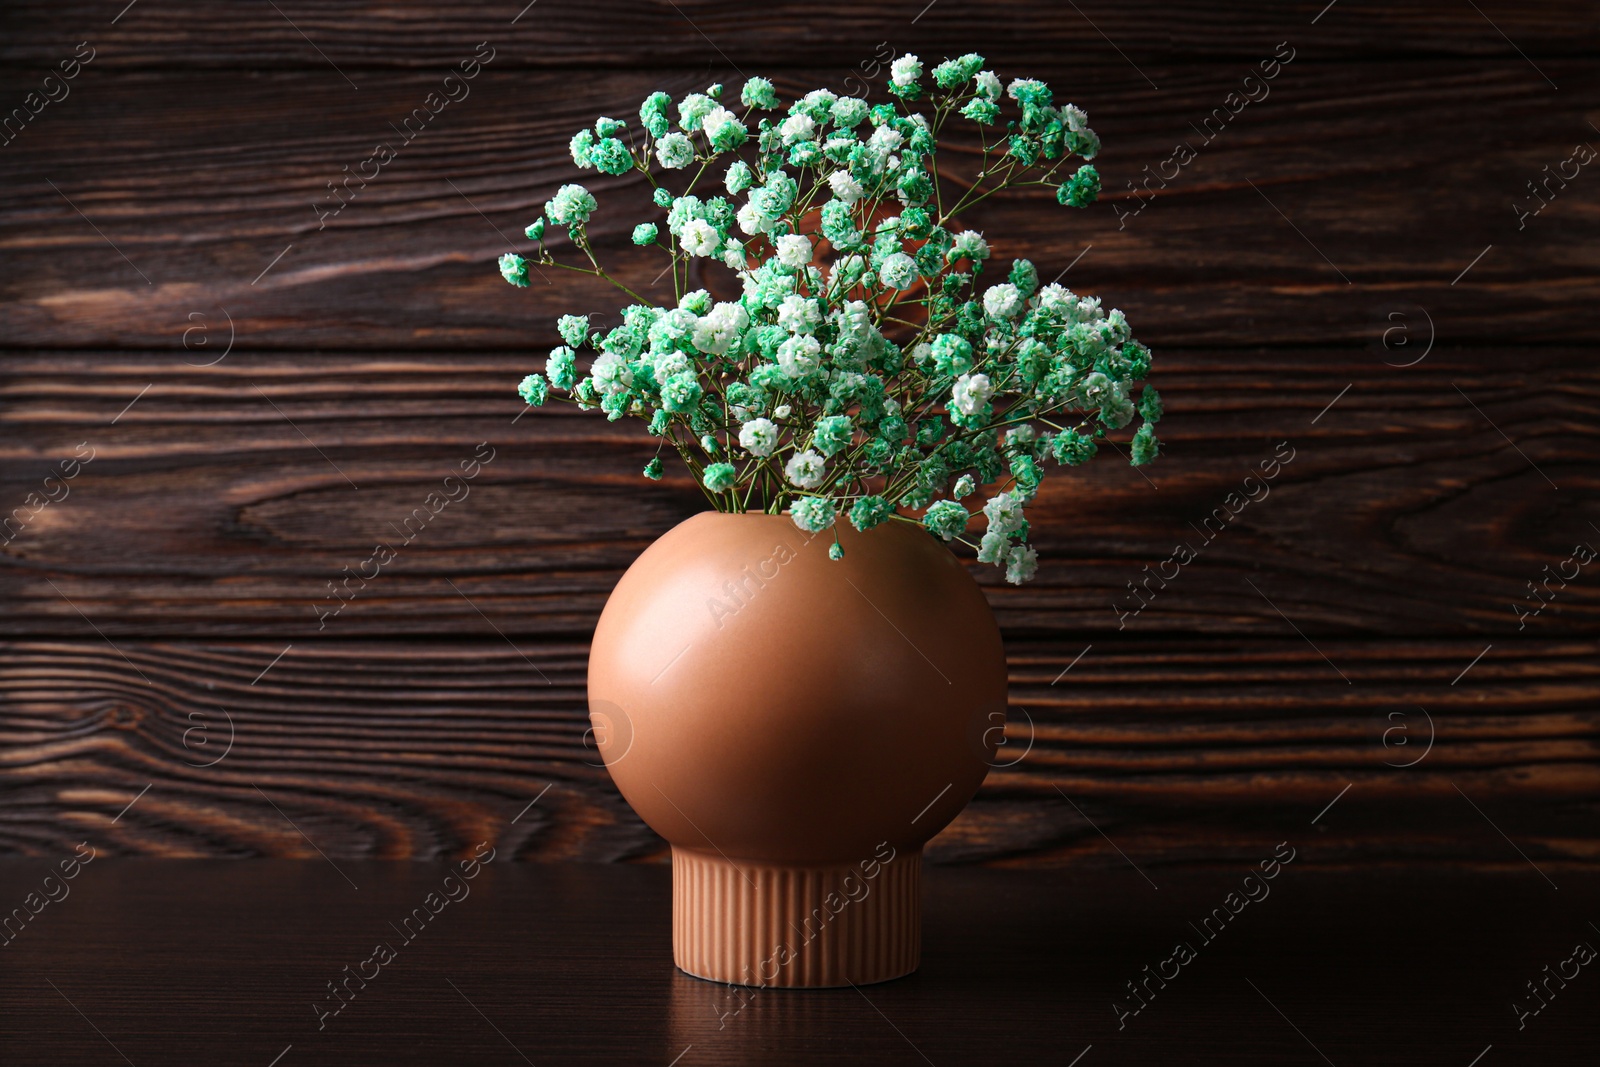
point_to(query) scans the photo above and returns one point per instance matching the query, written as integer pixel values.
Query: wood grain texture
(1351, 189)
(721, 33)
(1178, 750)
(219, 503)
(538, 963)
(1362, 214)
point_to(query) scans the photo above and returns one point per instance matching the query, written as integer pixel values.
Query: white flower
(988, 85)
(675, 151)
(905, 70)
(965, 486)
(971, 392)
(1088, 309)
(733, 256)
(804, 469)
(1004, 513)
(799, 314)
(719, 118)
(1075, 117)
(1002, 301)
(885, 139)
(1057, 299)
(970, 243)
(611, 373)
(794, 250)
(819, 98)
(844, 186)
(719, 329)
(798, 356)
(782, 411)
(699, 237)
(751, 220)
(758, 437)
(798, 128)
(1021, 563)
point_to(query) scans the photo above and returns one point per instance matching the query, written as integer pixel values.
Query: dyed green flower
(813, 514)
(724, 130)
(582, 149)
(952, 355)
(759, 93)
(1144, 446)
(693, 109)
(1072, 448)
(832, 434)
(680, 392)
(1080, 190)
(573, 329)
(983, 112)
(533, 389)
(675, 151)
(796, 369)
(739, 177)
(848, 112)
(719, 477)
(571, 206)
(1150, 404)
(994, 547)
(611, 156)
(653, 114)
(514, 269)
(1029, 91)
(560, 368)
(870, 511)
(945, 519)
(899, 271)
(836, 551)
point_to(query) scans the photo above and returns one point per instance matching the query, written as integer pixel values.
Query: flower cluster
(867, 371)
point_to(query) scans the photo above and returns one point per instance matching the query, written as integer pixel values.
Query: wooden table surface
(151, 962)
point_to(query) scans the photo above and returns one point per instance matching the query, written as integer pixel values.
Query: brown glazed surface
(756, 700)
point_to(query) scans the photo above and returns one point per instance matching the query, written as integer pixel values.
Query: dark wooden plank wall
(1359, 619)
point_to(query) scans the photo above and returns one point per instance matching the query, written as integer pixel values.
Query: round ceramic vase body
(797, 728)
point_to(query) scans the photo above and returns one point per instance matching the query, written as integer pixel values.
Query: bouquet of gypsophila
(865, 373)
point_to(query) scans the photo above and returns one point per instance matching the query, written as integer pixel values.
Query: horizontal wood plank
(726, 35)
(1180, 750)
(1351, 190)
(226, 500)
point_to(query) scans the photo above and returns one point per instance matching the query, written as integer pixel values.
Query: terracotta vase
(797, 728)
